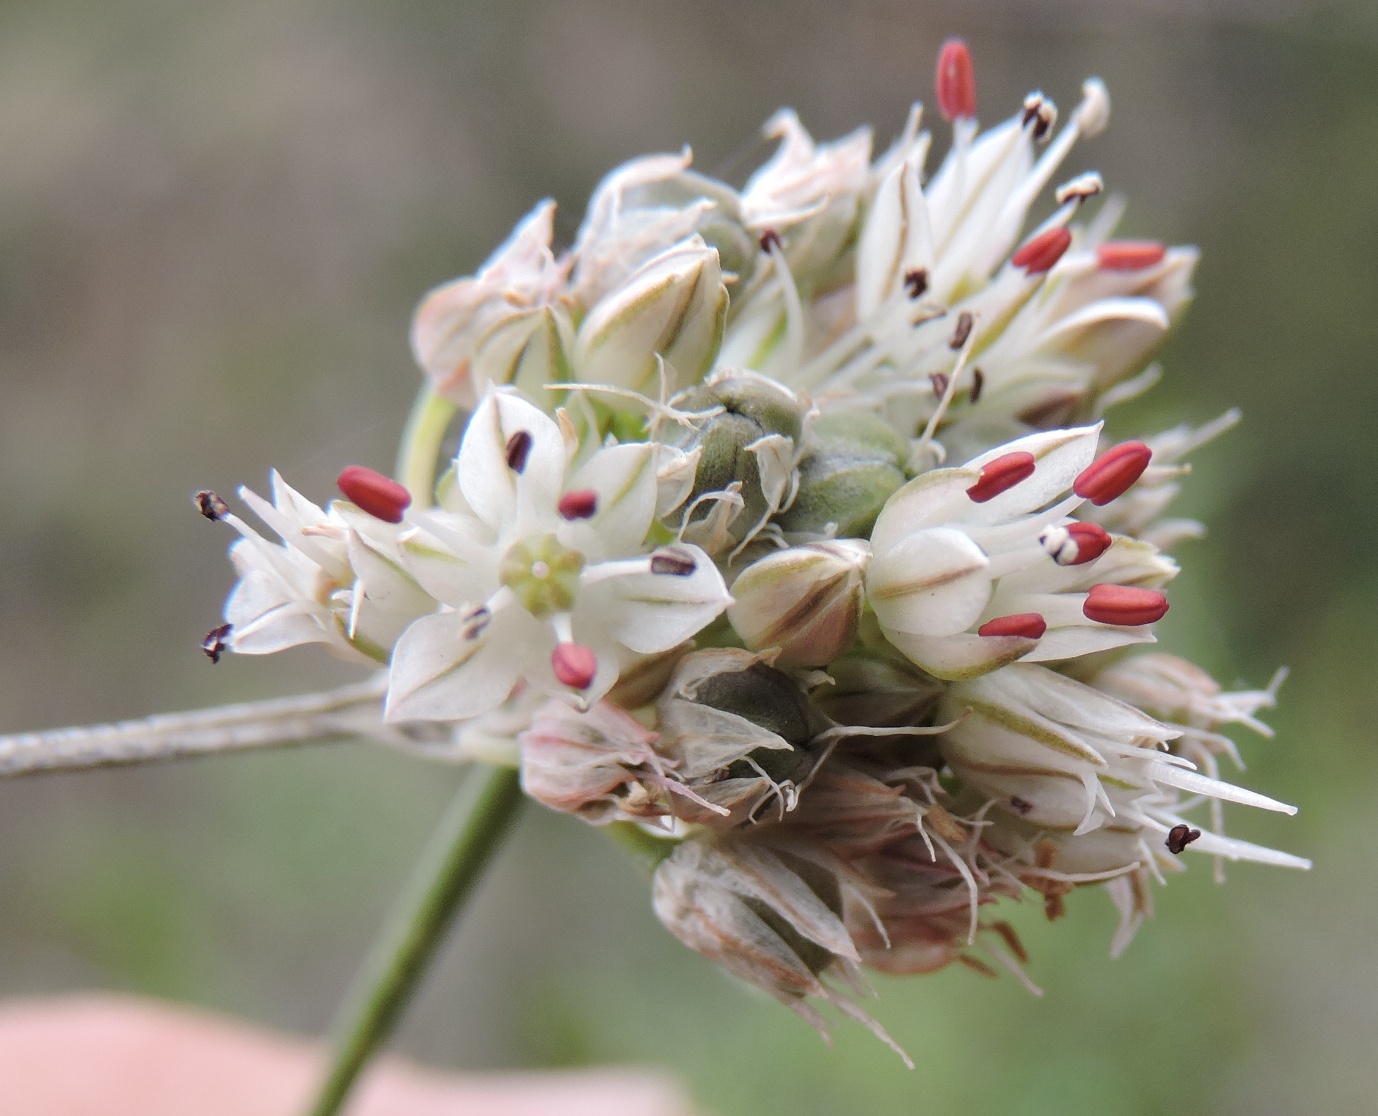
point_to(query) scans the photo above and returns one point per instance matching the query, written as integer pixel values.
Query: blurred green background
(214, 222)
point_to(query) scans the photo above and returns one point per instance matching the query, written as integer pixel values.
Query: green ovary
(543, 574)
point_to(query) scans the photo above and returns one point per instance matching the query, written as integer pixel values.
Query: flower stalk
(442, 881)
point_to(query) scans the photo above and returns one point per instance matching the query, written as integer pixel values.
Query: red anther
(574, 665)
(1001, 474)
(1029, 625)
(1092, 541)
(1039, 254)
(1113, 473)
(581, 504)
(1125, 606)
(956, 81)
(1129, 255)
(380, 496)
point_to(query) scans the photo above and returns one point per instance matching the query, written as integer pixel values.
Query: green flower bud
(761, 422)
(807, 601)
(739, 733)
(854, 463)
(674, 306)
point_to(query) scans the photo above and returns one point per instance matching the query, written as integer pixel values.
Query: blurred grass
(214, 220)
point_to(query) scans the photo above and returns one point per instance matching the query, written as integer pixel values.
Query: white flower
(968, 569)
(336, 579)
(1065, 758)
(547, 576)
(503, 325)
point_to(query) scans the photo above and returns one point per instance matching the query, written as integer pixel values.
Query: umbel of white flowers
(784, 526)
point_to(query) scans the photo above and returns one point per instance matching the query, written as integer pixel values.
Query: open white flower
(547, 576)
(977, 566)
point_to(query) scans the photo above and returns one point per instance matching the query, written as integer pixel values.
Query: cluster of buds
(783, 526)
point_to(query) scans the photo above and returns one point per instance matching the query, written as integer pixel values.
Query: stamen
(574, 665)
(676, 563)
(956, 81)
(1080, 188)
(216, 642)
(916, 282)
(978, 383)
(1129, 255)
(380, 496)
(1112, 473)
(1041, 113)
(518, 450)
(1001, 475)
(959, 335)
(1125, 606)
(1043, 251)
(769, 239)
(580, 504)
(210, 505)
(1020, 806)
(939, 380)
(1028, 625)
(1076, 543)
(1179, 837)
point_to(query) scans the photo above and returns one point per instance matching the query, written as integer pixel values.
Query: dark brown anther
(1053, 907)
(1019, 806)
(770, 239)
(939, 380)
(916, 282)
(1040, 113)
(476, 622)
(518, 450)
(216, 642)
(210, 505)
(676, 563)
(959, 335)
(1179, 837)
(978, 384)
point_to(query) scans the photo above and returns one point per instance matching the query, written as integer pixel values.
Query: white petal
(439, 673)
(959, 657)
(929, 500)
(896, 238)
(624, 477)
(1059, 455)
(933, 583)
(1193, 783)
(649, 612)
(1232, 849)
(499, 495)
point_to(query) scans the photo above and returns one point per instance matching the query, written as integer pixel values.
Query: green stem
(416, 459)
(443, 879)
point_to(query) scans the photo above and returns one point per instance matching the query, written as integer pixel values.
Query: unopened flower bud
(739, 733)
(501, 325)
(754, 411)
(855, 462)
(807, 601)
(674, 306)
